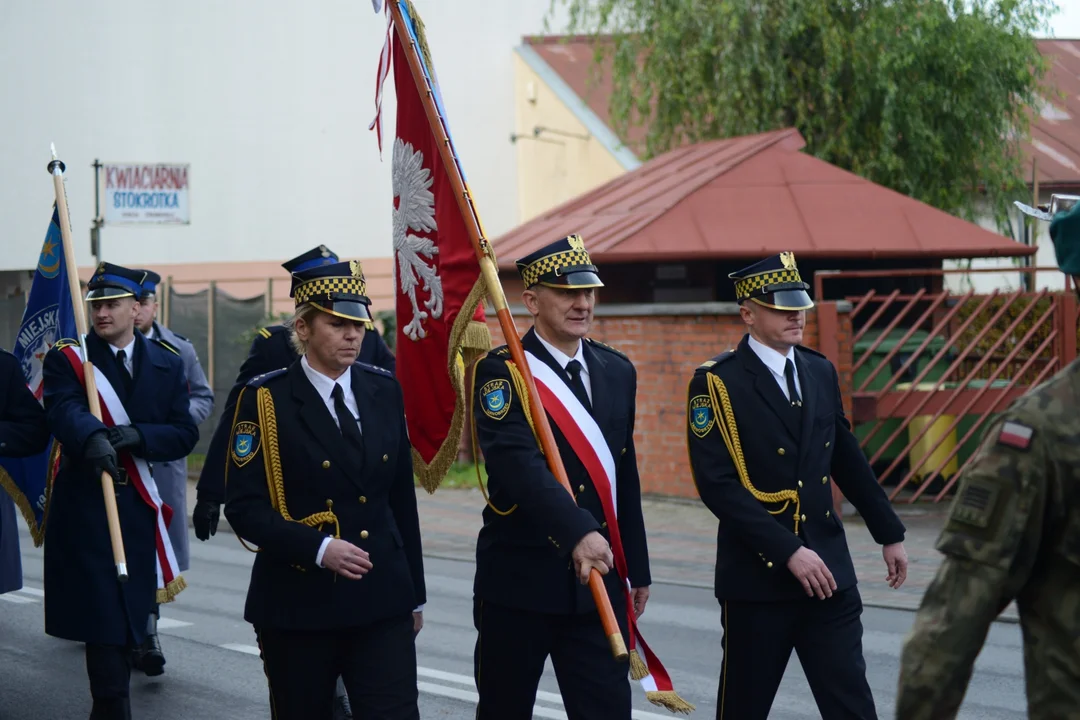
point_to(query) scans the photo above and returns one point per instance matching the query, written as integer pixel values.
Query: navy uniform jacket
(374, 503)
(523, 559)
(22, 433)
(83, 600)
(753, 546)
(271, 350)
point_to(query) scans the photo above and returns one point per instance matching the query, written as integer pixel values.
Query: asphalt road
(213, 669)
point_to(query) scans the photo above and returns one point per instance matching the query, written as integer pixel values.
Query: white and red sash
(587, 440)
(169, 580)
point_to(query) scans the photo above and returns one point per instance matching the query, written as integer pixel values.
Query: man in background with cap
(271, 349)
(539, 544)
(171, 476)
(145, 419)
(337, 587)
(1013, 533)
(766, 432)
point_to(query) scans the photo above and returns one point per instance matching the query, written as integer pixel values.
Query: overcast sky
(1066, 22)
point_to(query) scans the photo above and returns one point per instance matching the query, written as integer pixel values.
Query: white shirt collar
(149, 334)
(772, 359)
(324, 384)
(129, 349)
(562, 358)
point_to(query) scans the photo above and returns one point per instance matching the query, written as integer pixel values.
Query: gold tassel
(638, 668)
(168, 593)
(669, 700)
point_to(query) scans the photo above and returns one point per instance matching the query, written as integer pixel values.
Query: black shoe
(148, 656)
(342, 708)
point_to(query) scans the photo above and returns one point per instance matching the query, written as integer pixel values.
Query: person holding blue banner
(145, 418)
(23, 433)
(171, 476)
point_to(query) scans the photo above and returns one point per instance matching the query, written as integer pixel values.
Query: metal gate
(932, 369)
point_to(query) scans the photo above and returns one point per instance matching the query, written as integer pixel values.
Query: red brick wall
(666, 349)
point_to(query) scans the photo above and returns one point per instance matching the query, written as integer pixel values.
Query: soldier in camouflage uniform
(1013, 533)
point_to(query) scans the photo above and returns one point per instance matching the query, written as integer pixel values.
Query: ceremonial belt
(169, 580)
(587, 441)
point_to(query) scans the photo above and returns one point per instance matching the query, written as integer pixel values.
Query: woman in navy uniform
(84, 601)
(22, 433)
(320, 479)
(270, 350)
(784, 575)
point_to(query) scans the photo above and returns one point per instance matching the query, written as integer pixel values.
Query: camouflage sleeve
(990, 544)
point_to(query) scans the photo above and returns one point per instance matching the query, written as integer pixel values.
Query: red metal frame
(951, 393)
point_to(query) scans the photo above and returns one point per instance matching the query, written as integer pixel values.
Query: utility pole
(98, 221)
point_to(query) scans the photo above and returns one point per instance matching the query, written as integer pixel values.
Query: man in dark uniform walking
(766, 432)
(337, 587)
(145, 405)
(538, 546)
(22, 433)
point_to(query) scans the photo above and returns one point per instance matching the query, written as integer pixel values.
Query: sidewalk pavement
(682, 542)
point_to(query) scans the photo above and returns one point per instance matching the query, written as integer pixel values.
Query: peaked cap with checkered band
(563, 264)
(774, 282)
(338, 289)
(313, 258)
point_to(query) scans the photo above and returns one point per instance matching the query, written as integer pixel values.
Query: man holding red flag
(538, 546)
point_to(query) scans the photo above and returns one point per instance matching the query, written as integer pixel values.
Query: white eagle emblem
(414, 211)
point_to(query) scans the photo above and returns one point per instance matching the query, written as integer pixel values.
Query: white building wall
(268, 100)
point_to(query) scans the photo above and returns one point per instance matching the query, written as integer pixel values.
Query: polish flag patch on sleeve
(1015, 435)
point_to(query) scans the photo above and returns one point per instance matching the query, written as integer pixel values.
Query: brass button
(780, 451)
(803, 518)
(325, 464)
(581, 488)
(385, 458)
(800, 483)
(827, 444)
(363, 534)
(827, 513)
(768, 564)
(363, 499)
(329, 503)
(824, 479)
(603, 524)
(623, 451)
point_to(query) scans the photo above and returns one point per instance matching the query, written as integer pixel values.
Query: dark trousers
(511, 649)
(376, 662)
(110, 678)
(826, 634)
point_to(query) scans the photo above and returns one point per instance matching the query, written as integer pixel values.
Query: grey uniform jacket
(171, 477)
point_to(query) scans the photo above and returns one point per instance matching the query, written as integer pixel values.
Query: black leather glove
(99, 453)
(205, 518)
(125, 437)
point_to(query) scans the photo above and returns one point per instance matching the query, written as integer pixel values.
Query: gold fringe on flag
(669, 700)
(469, 340)
(168, 593)
(37, 532)
(638, 668)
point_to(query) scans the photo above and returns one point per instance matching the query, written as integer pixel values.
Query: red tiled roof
(1055, 132)
(750, 196)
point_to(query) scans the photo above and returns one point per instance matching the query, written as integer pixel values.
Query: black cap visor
(571, 278)
(347, 309)
(785, 300)
(108, 293)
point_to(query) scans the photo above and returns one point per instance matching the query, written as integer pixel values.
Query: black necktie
(349, 429)
(125, 376)
(793, 392)
(573, 369)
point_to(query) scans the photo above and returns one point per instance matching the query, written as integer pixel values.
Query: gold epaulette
(65, 342)
(616, 351)
(264, 332)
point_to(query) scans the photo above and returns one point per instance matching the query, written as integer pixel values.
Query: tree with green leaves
(929, 97)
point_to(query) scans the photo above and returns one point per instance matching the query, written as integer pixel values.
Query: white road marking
(469, 695)
(171, 624)
(36, 592)
(16, 599)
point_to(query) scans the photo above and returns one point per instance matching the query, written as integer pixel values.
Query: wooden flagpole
(56, 169)
(486, 257)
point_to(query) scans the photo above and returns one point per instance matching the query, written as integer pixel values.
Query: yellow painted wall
(552, 169)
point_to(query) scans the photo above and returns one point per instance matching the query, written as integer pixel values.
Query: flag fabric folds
(438, 288)
(49, 316)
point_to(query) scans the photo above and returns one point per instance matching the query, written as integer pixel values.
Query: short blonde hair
(306, 313)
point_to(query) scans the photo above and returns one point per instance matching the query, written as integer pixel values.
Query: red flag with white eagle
(440, 316)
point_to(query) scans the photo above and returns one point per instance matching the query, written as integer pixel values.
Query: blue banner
(49, 316)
